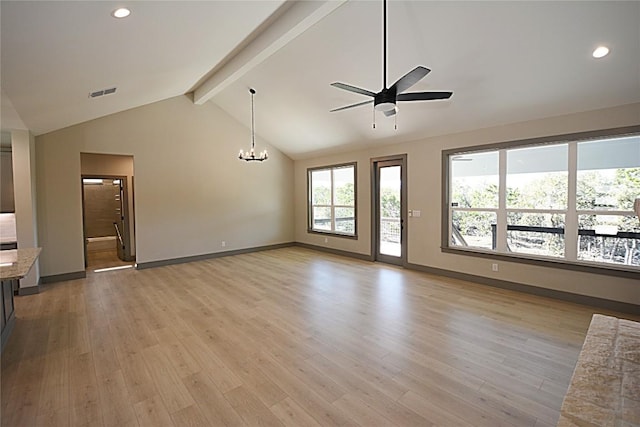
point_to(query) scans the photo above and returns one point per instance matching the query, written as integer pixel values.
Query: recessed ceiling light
(600, 51)
(121, 12)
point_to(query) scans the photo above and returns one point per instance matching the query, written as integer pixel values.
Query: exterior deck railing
(389, 227)
(560, 230)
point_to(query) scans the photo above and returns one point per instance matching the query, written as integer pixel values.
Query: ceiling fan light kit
(385, 106)
(386, 100)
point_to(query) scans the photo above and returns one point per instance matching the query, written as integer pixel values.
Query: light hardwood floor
(104, 259)
(287, 337)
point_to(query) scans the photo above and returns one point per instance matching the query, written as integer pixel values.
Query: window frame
(563, 263)
(333, 206)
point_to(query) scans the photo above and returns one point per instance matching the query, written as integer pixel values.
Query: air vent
(102, 92)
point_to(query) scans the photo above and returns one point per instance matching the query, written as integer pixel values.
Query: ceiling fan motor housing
(385, 100)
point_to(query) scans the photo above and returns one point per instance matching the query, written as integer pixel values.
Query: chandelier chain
(253, 123)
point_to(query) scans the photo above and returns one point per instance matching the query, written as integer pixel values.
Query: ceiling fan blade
(423, 96)
(353, 89)
(350, 106)
(409, 79)
(390, 112)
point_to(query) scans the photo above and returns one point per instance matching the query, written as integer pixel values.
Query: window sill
(629, 272)
(333, 234)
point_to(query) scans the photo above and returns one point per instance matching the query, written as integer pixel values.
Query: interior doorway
(389, 236)
(107, 211)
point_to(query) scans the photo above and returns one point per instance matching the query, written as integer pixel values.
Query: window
(607, 184)
(569, 201)
(332, 199)
(536, 199)
(474, 198)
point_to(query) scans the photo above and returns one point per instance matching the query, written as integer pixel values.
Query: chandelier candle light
(250, 156)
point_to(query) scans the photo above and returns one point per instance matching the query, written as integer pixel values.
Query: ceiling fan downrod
(384, 44)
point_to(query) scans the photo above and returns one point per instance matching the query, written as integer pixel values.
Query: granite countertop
(20, 262)
(605, 387)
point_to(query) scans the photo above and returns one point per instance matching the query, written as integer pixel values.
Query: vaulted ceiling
(505, 62)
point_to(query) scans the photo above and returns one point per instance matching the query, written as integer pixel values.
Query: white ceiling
(55, 52)
(505, 62)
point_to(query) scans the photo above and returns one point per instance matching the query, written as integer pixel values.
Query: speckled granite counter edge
(605, 386)
(25, 259)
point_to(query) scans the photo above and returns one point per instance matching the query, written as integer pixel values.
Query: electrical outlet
(223, 244)
(494, 266)
(326, 240)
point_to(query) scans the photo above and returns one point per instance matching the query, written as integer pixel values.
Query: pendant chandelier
(250, 156)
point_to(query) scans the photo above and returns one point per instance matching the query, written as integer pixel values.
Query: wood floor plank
(373, 370)
(211, 402)
(152, 413)
(84, 397)
(360, 411)
(239, 353)
(540, 423)
(544, 406)
(58, 418)
(225, 378)
(11, 358)
(105, 360)
(55, 388)
(376, 399)
(115, 403)
(139, 382)
(328, 389)
(190, 416)
(173, 392)
(20, 405)
(59, 339)
(290, 337)
(434, 414)
(321, 410)
(480, 409)
(291, 414)
(79, 338)
(251, 409)
(179, 357)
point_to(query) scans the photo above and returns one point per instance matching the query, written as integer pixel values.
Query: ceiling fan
(386, 99)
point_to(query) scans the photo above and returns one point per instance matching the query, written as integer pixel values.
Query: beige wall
(106, 164)
(191, 192)
(424, 193)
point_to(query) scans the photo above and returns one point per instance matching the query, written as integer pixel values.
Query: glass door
(390, 213)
